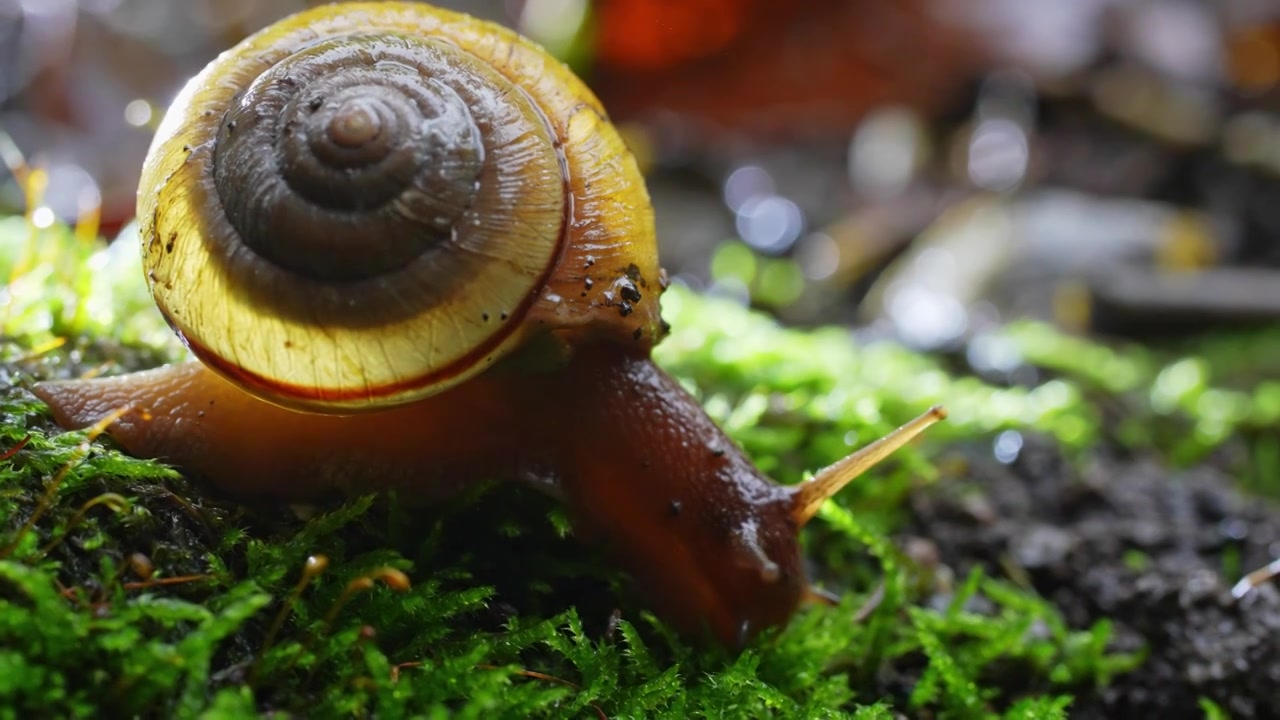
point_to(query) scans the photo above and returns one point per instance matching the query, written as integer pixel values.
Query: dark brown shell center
(348, 159)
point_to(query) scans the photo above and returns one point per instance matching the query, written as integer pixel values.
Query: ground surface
(1125, 539)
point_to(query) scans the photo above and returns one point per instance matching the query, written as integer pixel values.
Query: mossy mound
(129, 590)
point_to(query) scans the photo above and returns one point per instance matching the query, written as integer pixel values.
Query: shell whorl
(360, 156)
(368, 203)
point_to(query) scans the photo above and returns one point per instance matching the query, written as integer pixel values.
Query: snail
(409, 252)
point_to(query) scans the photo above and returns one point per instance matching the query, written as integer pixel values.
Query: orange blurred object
(776, 67)
(648, 35)
(1253, 57)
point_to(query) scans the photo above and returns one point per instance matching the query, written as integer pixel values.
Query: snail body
(410, 252)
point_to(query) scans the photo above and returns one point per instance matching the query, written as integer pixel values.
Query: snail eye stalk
(809, 496)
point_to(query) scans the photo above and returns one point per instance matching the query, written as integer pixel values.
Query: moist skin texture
(637, 461)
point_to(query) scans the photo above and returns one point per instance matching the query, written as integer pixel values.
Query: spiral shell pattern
(369, 203)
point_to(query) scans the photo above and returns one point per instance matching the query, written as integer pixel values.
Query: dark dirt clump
(1154, 550)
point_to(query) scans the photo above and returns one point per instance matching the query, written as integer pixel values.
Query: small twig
(176, 580)
(870, 606)
(1254, 579)
(16, 448)
(551, 678)
(395, 669)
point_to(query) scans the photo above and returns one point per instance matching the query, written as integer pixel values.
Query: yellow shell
(352, 298)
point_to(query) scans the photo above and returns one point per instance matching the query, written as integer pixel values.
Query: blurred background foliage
(978, 179)
(1061, 211)
(927, 168)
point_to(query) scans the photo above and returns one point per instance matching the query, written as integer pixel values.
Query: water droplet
(1007, 446)
(770, 223)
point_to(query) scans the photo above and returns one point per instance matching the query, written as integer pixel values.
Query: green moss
(1185, 401)
(1213, 711)
(507, 615)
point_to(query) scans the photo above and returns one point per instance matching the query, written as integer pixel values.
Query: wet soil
(1154, 550)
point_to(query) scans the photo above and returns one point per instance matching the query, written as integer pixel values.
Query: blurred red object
(776, 68)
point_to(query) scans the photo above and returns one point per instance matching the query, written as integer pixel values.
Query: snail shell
(356, 210)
